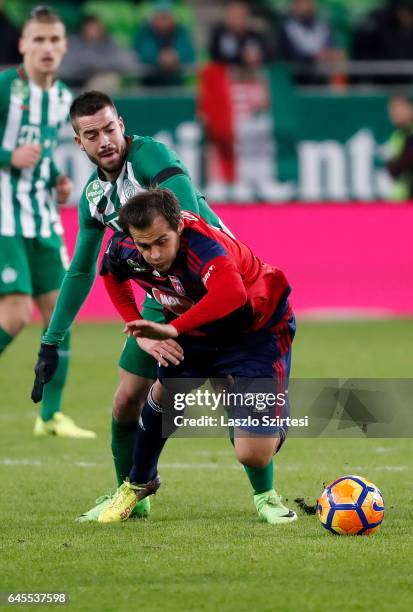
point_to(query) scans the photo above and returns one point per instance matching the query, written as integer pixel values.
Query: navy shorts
(257, 364)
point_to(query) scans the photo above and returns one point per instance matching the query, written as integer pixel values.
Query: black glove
(45, 368)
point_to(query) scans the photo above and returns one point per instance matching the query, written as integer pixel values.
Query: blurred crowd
(161, 42)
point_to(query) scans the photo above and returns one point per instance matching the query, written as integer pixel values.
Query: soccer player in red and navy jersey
(228, 312)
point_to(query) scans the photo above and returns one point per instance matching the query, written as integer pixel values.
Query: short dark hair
(401, 96)
(89, 18)
(141, 210)
(89, 103)
(42, 14)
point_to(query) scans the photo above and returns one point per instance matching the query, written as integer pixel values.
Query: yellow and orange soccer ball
(351, 505)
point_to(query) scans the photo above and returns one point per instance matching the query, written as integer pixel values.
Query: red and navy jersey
(215, 285)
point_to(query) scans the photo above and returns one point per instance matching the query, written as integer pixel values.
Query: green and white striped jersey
(29, 115)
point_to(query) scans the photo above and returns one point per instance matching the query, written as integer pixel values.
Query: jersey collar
(21, 72)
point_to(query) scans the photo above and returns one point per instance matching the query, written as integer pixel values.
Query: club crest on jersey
(176, 284)
(136, 265)
(8, 275)
(94, 192)
(20, 89)
(129, 188)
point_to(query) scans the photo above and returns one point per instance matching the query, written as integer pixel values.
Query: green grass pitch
(203, 547)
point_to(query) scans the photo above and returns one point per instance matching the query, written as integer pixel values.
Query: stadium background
(258, 141)
(301, 178)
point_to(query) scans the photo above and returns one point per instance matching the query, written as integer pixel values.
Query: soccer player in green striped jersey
(125, 166)
(33, 105)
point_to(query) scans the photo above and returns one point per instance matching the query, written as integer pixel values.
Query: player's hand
(147, 329)
(64, 188)
(164, 351)
(45, 368)
(26, 156)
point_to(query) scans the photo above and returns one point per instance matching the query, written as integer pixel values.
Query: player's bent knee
(15, 312)
(253, 459)
(130, 397)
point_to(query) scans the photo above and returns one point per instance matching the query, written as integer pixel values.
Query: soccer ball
(351, 505)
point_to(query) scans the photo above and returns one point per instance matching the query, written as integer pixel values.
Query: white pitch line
(189, 466)
(9, 462)
(360, 469)
(31, 462)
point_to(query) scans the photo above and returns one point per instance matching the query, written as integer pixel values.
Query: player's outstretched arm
(148, 329)
(225, 294)
(121, 294)
(76, 284)
(164, 351)
(73, 292)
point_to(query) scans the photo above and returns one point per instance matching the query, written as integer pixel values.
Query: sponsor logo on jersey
(8, 275)
(177, 305)
(129, 188)
(176, 284)
(29, 134)
(137, 267)
(94, 192)
(206, 276)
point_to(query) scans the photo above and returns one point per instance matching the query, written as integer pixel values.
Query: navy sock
(149, 442)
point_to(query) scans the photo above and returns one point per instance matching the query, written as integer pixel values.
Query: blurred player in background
(400, 147)
(231, 314)
(125, 165)
(33, 105)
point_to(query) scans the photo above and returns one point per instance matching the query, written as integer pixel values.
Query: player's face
(401, 112)
(102, 138)
(43, 46)
(158, 244)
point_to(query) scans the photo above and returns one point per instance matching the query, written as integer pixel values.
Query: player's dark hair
(42, 14)
(401, 96)
(89, 103)
(140, 211)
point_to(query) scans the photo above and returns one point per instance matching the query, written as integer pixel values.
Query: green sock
(53, 391)
(261, 479)
(123, 438)
(5, 340)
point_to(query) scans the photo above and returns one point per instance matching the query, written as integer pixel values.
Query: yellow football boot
(62, 426)
(125, 500)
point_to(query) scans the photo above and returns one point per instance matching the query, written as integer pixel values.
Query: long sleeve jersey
(216, 285)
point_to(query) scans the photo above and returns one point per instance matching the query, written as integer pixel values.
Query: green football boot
(141, 510)
(271, 510)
